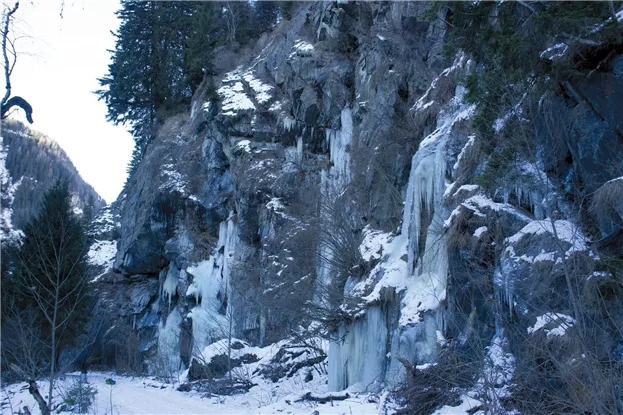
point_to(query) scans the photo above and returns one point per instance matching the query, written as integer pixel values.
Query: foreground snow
(139, 395)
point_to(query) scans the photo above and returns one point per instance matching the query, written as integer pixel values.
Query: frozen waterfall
(365, 352)
(211, 289)
(360, 353)
(332, 183)
(340, 142)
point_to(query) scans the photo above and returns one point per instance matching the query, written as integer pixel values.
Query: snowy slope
(103, 250)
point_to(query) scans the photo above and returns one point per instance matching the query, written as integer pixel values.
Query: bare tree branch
(9, 102)
(5, 33)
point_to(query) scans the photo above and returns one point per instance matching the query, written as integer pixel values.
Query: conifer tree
(161, 54)
(204, 34)
(48, 283)
(131, 87)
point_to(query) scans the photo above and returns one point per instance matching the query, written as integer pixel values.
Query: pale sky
(57, 74)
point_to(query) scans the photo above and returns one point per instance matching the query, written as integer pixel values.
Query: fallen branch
(306, 363)
(329, 397)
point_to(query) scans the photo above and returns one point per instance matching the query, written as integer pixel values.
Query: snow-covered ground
(140, 395)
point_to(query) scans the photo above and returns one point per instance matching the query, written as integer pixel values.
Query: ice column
(169, 343)
(359, 356)
(211, 286)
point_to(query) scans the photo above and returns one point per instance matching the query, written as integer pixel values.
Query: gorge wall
(333, 184)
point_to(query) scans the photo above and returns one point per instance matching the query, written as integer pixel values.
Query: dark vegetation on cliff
(538, 66)
(164, 50)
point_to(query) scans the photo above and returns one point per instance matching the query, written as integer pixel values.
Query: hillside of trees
(36, 162)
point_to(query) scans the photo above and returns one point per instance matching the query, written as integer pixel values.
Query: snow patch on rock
(7, 232)
(234, 99)
(301, 48)
(102, 253)
(260, 89)
(554, 52)
(554, 324)
(562, 229)
(373, 244)
(174, 181)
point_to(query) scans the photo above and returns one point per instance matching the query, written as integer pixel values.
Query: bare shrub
(437, 384)
(607, 202)
(121, 349)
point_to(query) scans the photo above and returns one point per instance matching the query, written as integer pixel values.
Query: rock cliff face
(332, 177)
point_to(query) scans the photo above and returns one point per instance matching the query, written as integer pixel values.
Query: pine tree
(162, 53)
(49, 281)
(131, 85)
(205, 34)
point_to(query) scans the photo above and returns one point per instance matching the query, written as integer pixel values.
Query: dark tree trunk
(34, 391)
(17, 102)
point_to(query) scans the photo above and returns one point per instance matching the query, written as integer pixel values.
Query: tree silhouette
(49, 281)
(9, 55)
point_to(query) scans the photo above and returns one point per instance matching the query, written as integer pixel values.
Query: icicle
(169, 288)
(332, 182)
(339, 150)
(537, 201)
(421, 317)
(299, 148)
(222, 236)
(424, 195)
(509, 295)
(288, 123)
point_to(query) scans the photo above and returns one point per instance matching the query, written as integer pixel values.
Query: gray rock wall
(348, 115)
